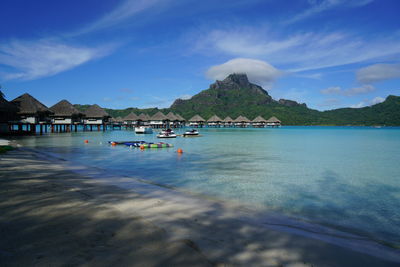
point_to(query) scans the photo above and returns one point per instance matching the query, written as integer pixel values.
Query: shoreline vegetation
(53, 215)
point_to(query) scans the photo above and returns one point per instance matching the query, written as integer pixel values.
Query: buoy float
(86, 141)
(180, 151)
(142, 147)
(113, 144)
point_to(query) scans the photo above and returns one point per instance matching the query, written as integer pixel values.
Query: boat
(143, 130)
(166, 134)
(192, 132)
(128, 143)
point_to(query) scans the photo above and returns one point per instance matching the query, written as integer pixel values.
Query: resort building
(143, 119)
(259, 122)
(196, 121)
(31, 110)
(214, 121)
(8, 113)
(182, 120)
(241, 121)
(227, 122)
(97, 116)
(173, 120)
(273, 122)
(64, 116)
(158, 120)
(130, 120)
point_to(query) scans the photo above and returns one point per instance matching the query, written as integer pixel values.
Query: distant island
(235, 96)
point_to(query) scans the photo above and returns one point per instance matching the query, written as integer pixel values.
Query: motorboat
(143, 130)
(166, 134)
(192, 132)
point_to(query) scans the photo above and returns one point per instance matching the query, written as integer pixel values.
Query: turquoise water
(343, 177)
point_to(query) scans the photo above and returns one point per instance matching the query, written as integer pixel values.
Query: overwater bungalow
(241, 121)
(196, 121)
(259, 122)
(130, 120)
(65, 116)
(31, 113)
(182, 121)
(227, 122)
(172, 120)
(143, 119)
(8, 113)
(97, 116)
(273, 122)
(214, 121)
(158, 120)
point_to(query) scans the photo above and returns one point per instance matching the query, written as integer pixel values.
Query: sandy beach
(54, 214)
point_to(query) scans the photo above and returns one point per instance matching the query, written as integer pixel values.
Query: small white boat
(192, 132)
(166, 134)
(143, 130)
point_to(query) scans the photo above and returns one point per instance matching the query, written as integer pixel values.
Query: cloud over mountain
(258, 71)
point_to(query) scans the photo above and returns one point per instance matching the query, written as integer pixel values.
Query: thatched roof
(259, 119)
(273, 119)
(64, 108)
(197, 118)
(27, 104)
(143, 117)
(159, 116)
(241, 119)
(180, 118)
(214, 118)
(171, 116)
(94, 111)
(8, 111)
(228, 119)
(131, 117)
(119, 119)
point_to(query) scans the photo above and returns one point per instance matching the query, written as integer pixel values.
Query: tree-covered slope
(236, 96)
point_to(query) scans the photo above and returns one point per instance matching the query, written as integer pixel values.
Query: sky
(147, 53)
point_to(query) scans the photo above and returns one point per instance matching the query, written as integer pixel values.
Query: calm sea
(344, 177)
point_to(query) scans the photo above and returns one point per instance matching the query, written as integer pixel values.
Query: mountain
(235, 96)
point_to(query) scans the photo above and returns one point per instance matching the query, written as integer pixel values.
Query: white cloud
(317, 7)
(359, 90)
(185, 97)
(300, 52)
(337, 90)
(377, 100)
(124, 11)
(366, 102)
(378, 72)
(332, 90)
(258, 71)
(359, 105)
(32, 60)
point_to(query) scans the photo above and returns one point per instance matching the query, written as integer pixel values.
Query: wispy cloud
(32, 60)
(332, 90)
(378, 72)
(300, 52)
(317, 7)
(365, 103)
(337, 90)
(124, 11)
(257, 71)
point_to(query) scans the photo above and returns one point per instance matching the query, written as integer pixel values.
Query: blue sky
(147, 53)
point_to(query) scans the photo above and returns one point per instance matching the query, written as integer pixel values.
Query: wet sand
(53, 215)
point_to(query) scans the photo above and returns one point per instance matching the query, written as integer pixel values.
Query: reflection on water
(346, 177)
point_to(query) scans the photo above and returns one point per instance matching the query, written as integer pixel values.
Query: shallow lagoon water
(344, 177)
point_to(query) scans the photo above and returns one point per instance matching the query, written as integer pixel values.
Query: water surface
(344, 177)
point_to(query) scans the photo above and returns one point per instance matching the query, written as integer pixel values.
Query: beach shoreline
(201, 232)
